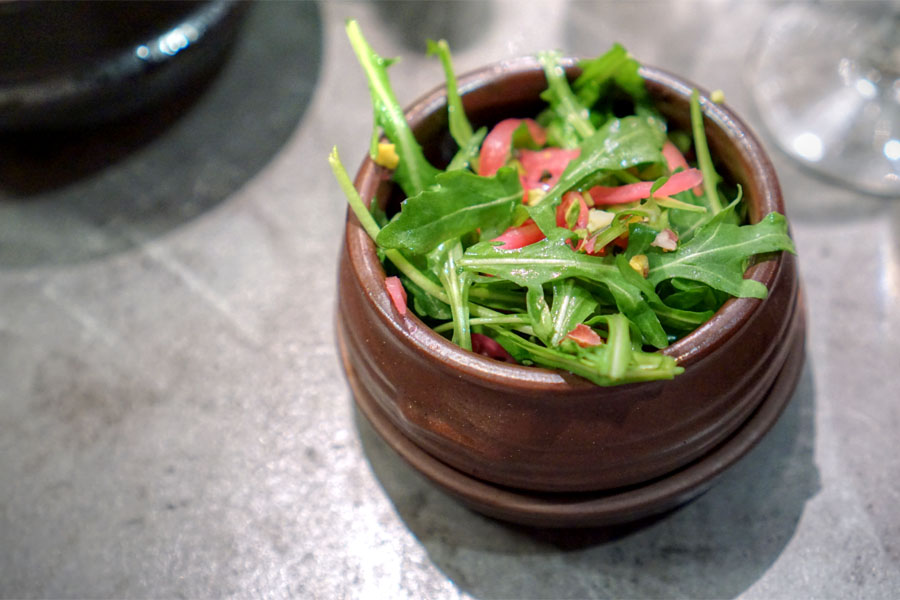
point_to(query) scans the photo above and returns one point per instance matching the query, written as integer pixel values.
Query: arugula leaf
(539, 313)
(443, 262)
(718, 251)
(459, 202)
(572, 304)
(618, 145)
(552, 259)
(628, 77)
(640, 236)
(688, 295)
(631, 302)
(597, 72)
(469, 142)
(458, 123)
(685, 223)
(559, 133)
(562, 101)
(414, 173)
(619, 346)
(711, 178)
(425, 304)
(615, 65)
(675, 318)
(468, 154)
(423, 283)
(614, 363)
(497, 292)
(538, 263)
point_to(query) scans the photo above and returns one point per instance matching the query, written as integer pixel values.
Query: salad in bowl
(582, 239)
(565, 276)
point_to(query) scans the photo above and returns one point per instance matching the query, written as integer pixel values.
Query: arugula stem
(484, 293)
(371, 227)
(430, 287)
(569, 107)
(417, 277)
(669, 202)
(458, 123)
(469, 142)
(456, 286)
(501, 320)
(619, 344)
(414, 173)
(704, 159)
(617, 228)
(356, 203)
(647, 366)
(626, 177)
(468, 154)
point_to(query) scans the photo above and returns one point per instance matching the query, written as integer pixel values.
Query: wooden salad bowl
(532, 431)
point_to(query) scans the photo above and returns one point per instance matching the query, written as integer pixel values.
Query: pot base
(609, 507)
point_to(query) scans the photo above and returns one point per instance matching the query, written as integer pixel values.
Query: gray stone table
(174, 419)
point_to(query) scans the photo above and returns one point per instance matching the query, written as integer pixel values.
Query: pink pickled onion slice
(584, 336)
(482, 344)
(496, 146)
(518, 237)
(549, 161)
(587, 246)
(676, 160)
(397, 293)
(561, 210)
(631, 192)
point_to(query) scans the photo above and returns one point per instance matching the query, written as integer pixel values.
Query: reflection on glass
(826, 81)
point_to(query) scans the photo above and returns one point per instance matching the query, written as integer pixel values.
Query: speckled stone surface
(174, 420)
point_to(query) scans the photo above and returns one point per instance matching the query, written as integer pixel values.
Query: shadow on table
(73, 196)
(716, 546)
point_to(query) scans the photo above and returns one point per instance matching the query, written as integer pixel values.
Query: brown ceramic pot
(539, 430)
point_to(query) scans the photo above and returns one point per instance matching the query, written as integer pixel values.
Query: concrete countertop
(174, 419)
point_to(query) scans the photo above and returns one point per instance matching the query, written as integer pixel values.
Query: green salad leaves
(581, 239)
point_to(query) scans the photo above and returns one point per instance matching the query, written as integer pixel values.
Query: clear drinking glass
(825, 78)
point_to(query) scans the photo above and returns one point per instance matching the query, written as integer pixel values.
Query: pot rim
(765, 192)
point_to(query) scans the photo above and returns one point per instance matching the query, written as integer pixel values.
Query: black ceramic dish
(69, 64)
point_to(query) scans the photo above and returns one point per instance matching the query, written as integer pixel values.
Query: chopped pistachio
(387, 156)
(535, 195)
(640, 264)
(599, 219)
